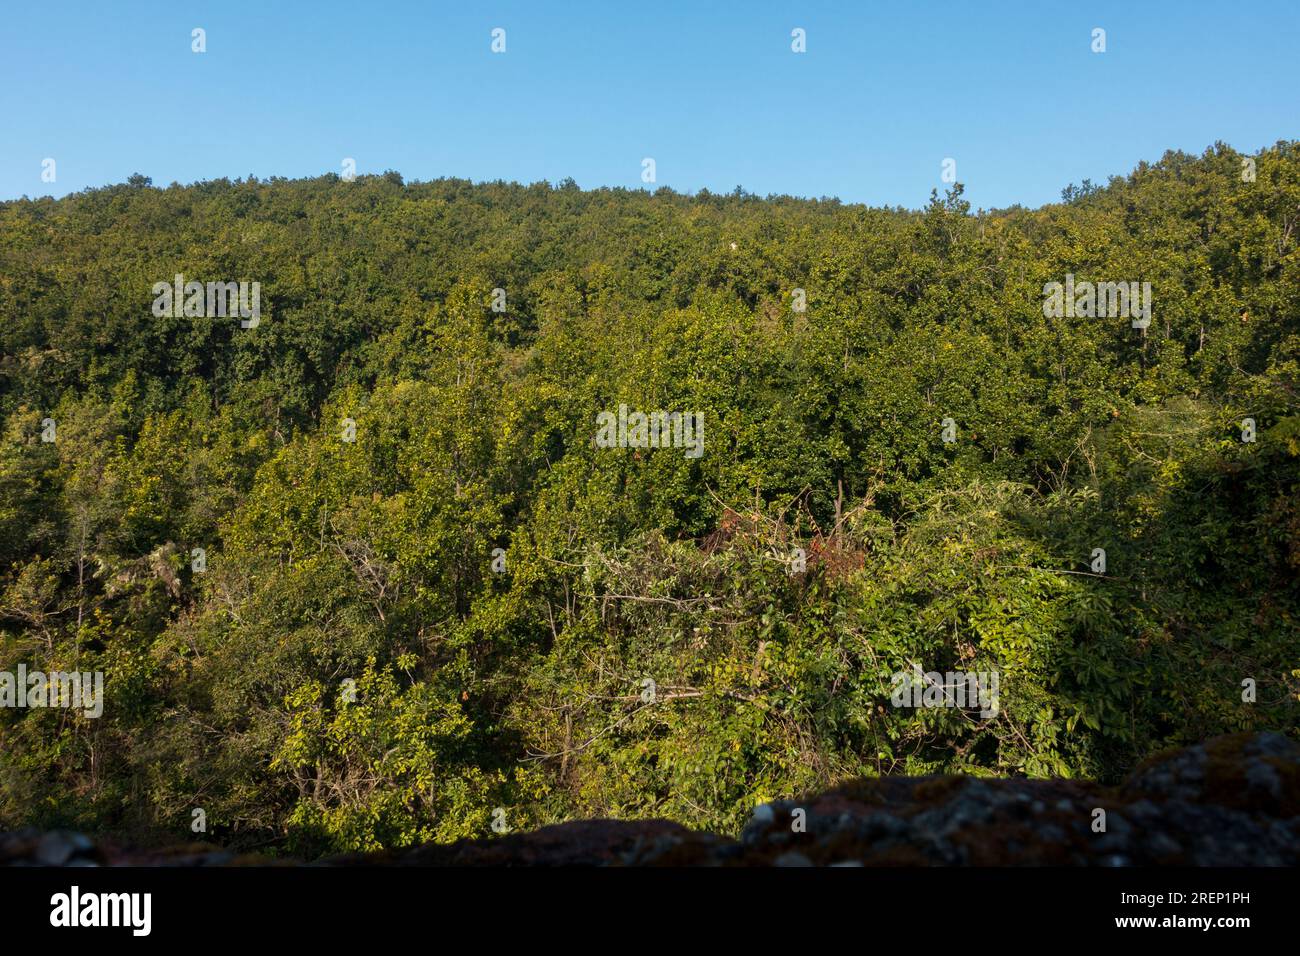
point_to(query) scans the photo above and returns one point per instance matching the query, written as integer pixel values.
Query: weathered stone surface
(1231, 801)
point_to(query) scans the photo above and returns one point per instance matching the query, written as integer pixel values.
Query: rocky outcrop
(1231, 801)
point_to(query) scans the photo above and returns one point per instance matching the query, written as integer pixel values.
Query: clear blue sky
(710, 90)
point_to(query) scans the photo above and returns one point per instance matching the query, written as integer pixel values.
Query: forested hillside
(361, 574)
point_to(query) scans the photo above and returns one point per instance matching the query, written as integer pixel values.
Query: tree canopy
(459, 609)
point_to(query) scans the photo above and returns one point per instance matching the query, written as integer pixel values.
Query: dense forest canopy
(361, 574)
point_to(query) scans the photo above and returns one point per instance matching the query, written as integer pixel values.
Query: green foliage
(370, 561)
(393, 768)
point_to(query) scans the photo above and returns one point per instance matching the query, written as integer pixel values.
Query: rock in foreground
(1232, 801)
